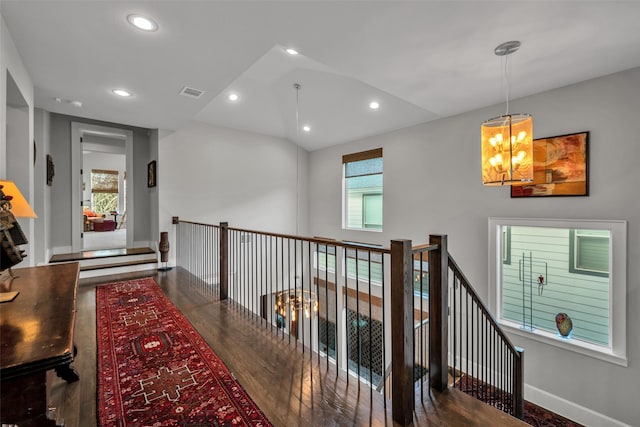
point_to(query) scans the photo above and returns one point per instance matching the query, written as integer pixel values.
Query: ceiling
(420, 60)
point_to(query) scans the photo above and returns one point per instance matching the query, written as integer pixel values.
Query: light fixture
(12, 205)
(290, 302)
(374, 105)
(121, 92)
(142, 22)
(507, 141)
(297, 87)
(291, 51)
(11, 199)
(306, 128)
(233, 97)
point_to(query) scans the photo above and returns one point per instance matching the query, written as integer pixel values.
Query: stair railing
(352, 287)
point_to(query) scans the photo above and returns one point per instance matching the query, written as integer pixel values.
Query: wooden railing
(340, 301)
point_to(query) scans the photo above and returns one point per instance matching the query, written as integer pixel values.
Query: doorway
(104, 188)
(102, 159)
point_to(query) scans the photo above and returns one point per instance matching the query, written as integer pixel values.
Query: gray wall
(60, 138)
(432, 184)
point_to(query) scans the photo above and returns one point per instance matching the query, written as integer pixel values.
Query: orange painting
(560, 167)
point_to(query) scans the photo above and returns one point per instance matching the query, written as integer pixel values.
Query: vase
(163, 247)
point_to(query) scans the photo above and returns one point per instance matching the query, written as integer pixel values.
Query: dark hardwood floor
(291, 388)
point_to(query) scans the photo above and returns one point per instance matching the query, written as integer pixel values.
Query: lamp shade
(19, 206)
(507, 150)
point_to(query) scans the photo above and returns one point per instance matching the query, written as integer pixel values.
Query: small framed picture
(151, 174)
(50, 170)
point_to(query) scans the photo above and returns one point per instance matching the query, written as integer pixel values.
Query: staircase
(110, 261)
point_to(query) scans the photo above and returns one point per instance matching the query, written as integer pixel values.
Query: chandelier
(507, 141)
(294, 300)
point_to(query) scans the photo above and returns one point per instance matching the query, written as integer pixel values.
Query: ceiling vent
(191, 92)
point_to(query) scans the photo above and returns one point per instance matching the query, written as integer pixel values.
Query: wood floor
(291, 388)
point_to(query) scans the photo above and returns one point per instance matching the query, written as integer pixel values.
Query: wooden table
(37, 335)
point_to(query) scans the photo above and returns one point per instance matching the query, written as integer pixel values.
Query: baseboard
(568, 409)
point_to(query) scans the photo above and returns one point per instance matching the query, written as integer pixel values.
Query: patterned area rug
(156, 370)
(533, 414)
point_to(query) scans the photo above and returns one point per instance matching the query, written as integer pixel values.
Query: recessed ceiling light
(233, 97)
(374, 105)
(76, 103)
(57, 99)
(122, 92)
(142, 22)
(291, 51)
(306, 128)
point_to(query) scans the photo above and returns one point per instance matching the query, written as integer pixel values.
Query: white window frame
(617, 351)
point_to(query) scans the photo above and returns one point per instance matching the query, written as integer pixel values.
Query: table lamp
(12, 205)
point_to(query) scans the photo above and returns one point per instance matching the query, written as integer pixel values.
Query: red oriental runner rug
(154, 369)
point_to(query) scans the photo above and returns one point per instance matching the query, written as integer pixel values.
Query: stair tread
(118, 264)
(98, 254)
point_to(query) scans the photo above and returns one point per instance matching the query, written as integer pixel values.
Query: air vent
(191, 92)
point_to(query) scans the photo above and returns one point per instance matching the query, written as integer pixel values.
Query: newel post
(402, 391)
(438, 313)
(518, 384)
(224, 260)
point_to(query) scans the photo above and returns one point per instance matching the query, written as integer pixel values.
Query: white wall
(10, 61)
(432, 184)
(16, 129)
(42, 191)
(210, 174)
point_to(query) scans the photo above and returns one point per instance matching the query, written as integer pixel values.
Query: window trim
(506, 254)
(617, 352)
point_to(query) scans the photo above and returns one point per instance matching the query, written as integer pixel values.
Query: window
(506, 244)
(104, 190)
(421, 277)
(369, 263)
(327, 337)
(325, 258)
(362, 203)
(588, 252)
(561, 266)
(364, 346)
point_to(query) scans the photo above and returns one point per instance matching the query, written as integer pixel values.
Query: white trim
(569, 409)
(575, 345)
(617, 353)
